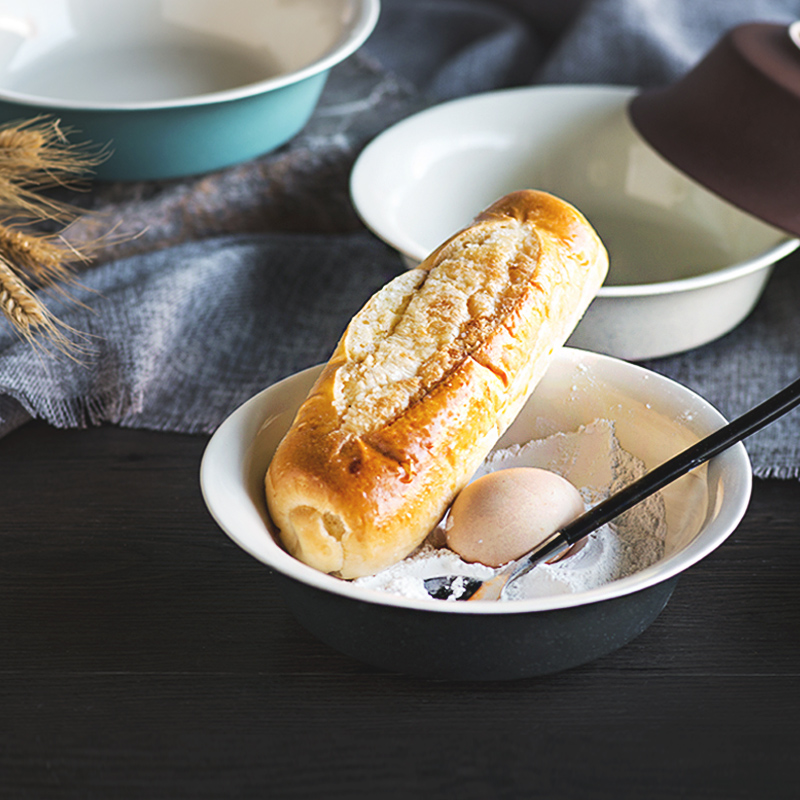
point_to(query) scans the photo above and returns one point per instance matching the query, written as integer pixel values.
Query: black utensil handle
(742, 427)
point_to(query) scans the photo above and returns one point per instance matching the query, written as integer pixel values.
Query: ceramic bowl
(686, 266)
(482, 640)
(174, 88)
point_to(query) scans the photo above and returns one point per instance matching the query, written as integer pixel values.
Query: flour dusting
(592, 459)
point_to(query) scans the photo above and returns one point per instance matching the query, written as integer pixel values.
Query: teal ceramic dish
(176, 87)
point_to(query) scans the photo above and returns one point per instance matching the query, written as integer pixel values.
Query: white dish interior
(654, 418)
(428, 176)
(129, 54)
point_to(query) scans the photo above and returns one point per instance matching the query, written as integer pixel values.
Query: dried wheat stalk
(19, 304)
(36, 155)
(48, 259)
(27, 314)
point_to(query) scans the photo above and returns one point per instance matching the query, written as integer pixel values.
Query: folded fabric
(179, 338)
(228, 282)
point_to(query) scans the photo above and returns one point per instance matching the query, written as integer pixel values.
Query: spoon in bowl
(556, 544)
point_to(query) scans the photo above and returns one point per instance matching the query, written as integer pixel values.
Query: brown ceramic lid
(733, 122)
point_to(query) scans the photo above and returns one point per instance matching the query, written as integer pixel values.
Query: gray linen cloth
(234, 280)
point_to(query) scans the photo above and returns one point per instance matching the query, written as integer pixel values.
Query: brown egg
(500, 516)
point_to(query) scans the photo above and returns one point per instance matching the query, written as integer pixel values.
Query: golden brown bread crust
(424, 381)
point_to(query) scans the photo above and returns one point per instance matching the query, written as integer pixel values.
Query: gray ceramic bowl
(654, 418)
(174, 88)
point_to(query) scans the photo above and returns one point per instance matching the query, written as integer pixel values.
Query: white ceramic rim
(240, 428)
(794, 33)
(363, 24)
(660, 288)
(722, 275)
(358, 176)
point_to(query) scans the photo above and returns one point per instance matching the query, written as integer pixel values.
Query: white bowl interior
(654, 418)
(134, 51)
(428, 176)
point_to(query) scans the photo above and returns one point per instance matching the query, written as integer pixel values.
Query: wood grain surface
(143, 655)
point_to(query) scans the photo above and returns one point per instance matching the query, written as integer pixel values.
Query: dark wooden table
(145, 656)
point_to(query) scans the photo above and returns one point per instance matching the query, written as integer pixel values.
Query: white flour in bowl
(592, 459)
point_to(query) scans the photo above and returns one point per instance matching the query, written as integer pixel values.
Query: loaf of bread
(425, 379)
